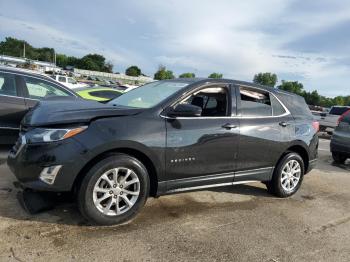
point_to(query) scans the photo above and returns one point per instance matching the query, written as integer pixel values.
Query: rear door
(265, 129)
(12, 108)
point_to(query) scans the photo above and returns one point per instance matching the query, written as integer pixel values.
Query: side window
(277, 108)
(38, 88)
(71, 80)
(61, 79)
(255, 102)
(212, 100)
(7, 84)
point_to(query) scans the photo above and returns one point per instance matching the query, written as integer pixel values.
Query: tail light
(342, 117)
(316, 125)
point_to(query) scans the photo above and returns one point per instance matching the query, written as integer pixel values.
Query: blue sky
(302, 40)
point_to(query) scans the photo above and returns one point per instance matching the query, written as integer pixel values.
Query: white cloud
(237, 38)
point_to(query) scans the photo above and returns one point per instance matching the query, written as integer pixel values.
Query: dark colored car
(165, 137)
(21, 90)
(100, 94)
(340, 142)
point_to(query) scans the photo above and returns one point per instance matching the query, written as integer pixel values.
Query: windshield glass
(148, 95)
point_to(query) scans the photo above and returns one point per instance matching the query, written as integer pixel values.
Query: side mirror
(184, 110)
(323, 114)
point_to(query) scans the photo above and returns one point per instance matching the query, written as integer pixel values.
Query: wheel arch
(301, 150)
(136, 153)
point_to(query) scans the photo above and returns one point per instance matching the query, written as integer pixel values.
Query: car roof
(198, 80)
(21, 70)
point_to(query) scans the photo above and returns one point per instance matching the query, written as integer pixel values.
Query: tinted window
(62, 79)
(38, 88)
(337, 110)
(71, 81)
(105, 94)
(7, 84)
(212, 100)
(277, 108)
(255, 102)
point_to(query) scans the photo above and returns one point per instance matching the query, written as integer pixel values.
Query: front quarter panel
(144, 134)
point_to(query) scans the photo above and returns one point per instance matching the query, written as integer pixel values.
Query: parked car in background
(68, 81)
(340, 142)
(21, 90)
(165, 137)
(101, 94)
(328, 121)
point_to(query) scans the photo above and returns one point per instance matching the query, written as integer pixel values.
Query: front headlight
(39, 135)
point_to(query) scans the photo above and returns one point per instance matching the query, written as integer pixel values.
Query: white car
(68, 81)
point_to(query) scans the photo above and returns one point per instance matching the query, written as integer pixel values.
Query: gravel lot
(240, 223)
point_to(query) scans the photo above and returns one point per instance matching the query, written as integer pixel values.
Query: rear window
(337, 110)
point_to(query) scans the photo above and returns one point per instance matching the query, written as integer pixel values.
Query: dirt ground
(239, 223)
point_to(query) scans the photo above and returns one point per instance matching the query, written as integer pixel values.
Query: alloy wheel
(290, 175)
(116, 191)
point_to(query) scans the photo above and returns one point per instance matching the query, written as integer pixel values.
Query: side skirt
(217, 180)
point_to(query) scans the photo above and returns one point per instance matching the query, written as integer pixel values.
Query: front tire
(114, 190)
(288, 176)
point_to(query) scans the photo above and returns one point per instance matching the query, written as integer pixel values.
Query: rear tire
(338, 158)
(288, 176)
(114, 190)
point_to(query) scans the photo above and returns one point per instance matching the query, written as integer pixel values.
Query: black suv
(21, 90)
(340, 142)
(165, 137)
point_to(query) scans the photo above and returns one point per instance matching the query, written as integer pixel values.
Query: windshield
(148, 95)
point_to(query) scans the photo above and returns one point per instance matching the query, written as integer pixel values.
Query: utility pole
(24, 49)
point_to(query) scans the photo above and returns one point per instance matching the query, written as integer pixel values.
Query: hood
(68, 110)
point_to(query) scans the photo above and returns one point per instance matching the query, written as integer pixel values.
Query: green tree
(215, 75)
(312, 98)
(133, 71)
(339, 100)
(163, 73)
(187, 75)
(292, 86)
(267, 79)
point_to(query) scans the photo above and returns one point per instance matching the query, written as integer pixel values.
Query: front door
(202, 150)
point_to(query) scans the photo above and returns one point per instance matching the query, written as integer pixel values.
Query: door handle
(229, 126)
(283, 124)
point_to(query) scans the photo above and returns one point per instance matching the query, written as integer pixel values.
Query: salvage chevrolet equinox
(165, 137)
